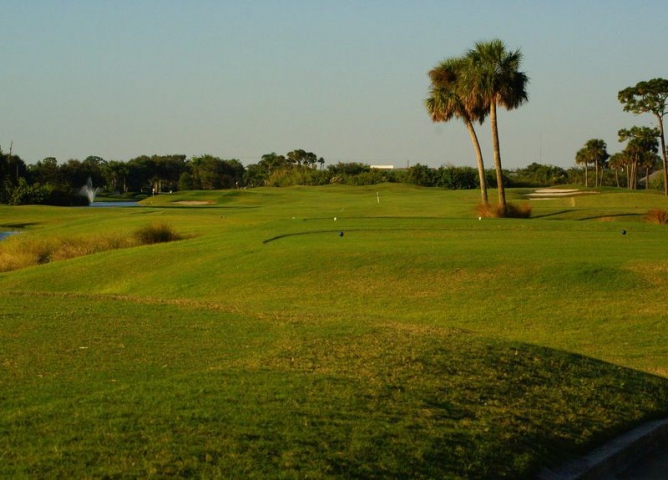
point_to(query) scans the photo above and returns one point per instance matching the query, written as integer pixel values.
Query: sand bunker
(195, 202)
(547, 193)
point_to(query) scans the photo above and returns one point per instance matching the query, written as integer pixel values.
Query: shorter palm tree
(446, 102)
(594, 151)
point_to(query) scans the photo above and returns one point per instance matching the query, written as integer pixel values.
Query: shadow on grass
(18, 225)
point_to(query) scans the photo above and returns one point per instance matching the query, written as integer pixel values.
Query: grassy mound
(125, 387)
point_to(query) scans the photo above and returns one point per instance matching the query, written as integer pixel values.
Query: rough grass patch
(657, 216)
(21, 252)
(156, 233)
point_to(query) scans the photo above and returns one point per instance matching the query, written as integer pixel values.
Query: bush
(512, 211)
(518, 211)
(659, 217)
(156, 233)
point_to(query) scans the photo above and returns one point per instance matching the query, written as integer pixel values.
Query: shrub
(512, 211)
(518, 211)
(657, 216)
(486, 211)
(156, 233)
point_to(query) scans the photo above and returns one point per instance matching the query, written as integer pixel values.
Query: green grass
(423, 343)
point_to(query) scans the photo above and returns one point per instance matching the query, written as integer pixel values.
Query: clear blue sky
(344, 79)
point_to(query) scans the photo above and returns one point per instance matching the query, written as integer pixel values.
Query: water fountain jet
(88, 190)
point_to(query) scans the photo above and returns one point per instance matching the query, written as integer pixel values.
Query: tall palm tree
(493, 74)
(445, 102)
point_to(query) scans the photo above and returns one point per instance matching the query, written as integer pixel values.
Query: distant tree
(641, 142)
(594, 151)
(349, 168)
(457, 178)
(187, 182)
(12, 170)
(46, 172)
(650, 97)
(116, 175)
(210, 172)
(233, 173)
(421, 175)
(207, 172)
(536, 174)
(447, 100)
(494, 74)
(272, 161)
(255, 175)
(301, 157)
(648, 163)
(617, 162)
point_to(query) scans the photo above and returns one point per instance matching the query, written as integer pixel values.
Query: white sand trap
(548, 193)
(195, 202)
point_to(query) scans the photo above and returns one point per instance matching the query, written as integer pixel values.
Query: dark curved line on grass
(378, 218)
(299, 234)
(19, 225)
(561, 212)
(597, 217)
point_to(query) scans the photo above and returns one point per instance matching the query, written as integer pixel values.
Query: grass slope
(423, 343)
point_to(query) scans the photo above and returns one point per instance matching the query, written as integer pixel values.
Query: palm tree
(581, 157)
(594, 151)
(617, 162)
(493, 74)
(445, 102)
(640, 141)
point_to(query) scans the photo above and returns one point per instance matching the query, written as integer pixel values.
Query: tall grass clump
(156, 233)
(23, 251)
(657, 216)
(512, 211)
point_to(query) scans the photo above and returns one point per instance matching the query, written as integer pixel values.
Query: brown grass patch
(512, 211)
(657, 216)
(26, 251)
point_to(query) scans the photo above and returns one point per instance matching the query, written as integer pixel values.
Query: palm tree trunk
(497, 158)
(481, 164)
(663, 155)
(586, 176)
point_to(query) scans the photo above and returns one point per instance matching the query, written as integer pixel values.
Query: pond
(4, 235)
(115, 204)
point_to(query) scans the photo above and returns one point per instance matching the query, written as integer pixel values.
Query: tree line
(48, 182)
(645, 150)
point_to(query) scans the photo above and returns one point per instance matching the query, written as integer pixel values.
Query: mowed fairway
(332, 332)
